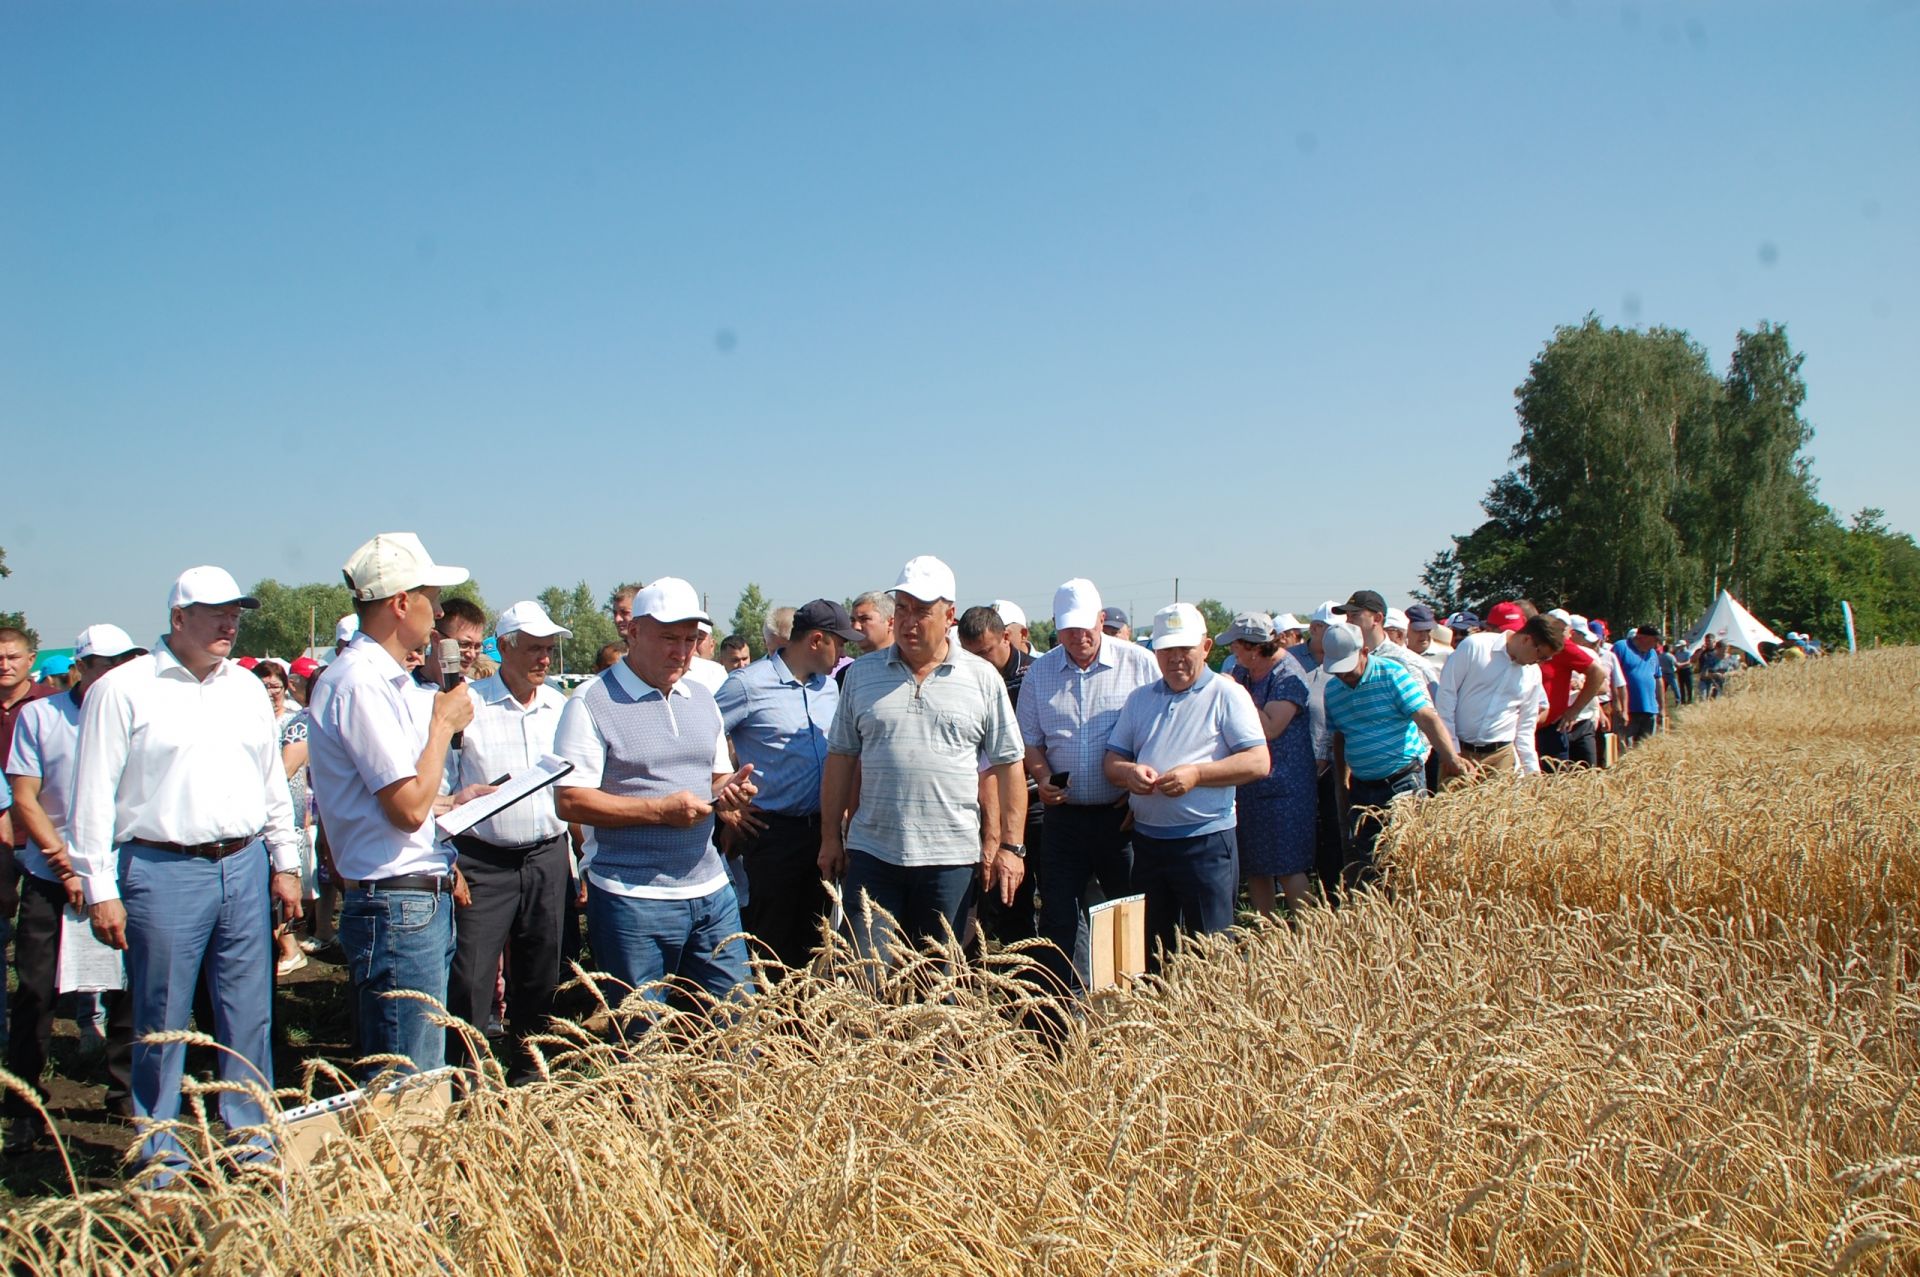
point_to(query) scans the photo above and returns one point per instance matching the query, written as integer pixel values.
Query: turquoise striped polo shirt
(1376, 717)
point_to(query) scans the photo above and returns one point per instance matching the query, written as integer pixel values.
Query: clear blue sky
(789, 292)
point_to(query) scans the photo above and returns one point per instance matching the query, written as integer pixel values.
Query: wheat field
(1661, 1020)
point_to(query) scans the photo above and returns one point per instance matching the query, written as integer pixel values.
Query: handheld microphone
(450, 676)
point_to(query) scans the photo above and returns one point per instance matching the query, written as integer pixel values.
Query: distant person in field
(1428, 640)
(777, 629)
(735, 653)
(1015, 619)
(1115, 622)
(1276, 813)
(1646, 705)
(1381, 719)
(1181, 747)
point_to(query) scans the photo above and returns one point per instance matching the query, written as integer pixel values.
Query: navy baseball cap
(1113, 618)
(824, 614)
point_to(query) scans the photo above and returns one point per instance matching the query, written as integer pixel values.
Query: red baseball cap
(1505, 618)
(306, 667)
(248, 662)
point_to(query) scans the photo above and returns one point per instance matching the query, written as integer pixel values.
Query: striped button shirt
(505, 737)
(1376, 718)
(1069, 712)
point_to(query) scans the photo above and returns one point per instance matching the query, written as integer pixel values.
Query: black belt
(481, 847)
(1408, 770)
(204, 850)
(436, 883)
(781, 818)
(1487, 749)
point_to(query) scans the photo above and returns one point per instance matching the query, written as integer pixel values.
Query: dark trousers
(1579, 747)
(925, 902)
(1007, 923)
(1639, 727)
(519, 898)
(36, 965)
(1685, 675)
(1188, 882)
(1078, 843)
(1329, 841)
(786, 899)
(1367, 803)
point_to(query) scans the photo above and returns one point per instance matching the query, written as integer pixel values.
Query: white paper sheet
(527, 781)
(86, 965)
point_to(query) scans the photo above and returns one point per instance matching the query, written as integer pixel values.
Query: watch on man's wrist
(1014, 849)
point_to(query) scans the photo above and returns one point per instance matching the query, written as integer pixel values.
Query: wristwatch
(1014, 849)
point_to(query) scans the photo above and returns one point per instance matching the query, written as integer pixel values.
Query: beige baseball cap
(393, 563)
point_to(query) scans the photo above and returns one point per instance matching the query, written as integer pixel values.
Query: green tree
(287, 615)
(17, 620)
(592, 628)
(750, 618)
(1218, 618)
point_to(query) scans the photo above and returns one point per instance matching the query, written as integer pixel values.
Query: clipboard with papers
(522, 784)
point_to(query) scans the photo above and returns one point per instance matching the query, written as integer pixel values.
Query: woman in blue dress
(1276, 814)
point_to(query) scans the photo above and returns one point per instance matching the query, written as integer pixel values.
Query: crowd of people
(217, 821)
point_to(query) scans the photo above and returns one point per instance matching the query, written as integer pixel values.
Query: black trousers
(519, 899)
(786, 899)
(1329, 840)
(1078, 844)
(36, 965)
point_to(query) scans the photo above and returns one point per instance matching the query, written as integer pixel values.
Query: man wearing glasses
(179, 802)
(462, 621)
(377, 752)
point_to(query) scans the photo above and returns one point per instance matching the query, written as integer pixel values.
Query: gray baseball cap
(1249, 627)
(1341, 647)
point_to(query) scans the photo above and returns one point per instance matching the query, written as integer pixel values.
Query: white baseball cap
(927, 579)
(669, 601)
(1578, 624)
(345, 628)
(1076, 606)
(104, 640)
(1325, 614)
(1396, 619)
(393, 563)
(1178, 625)
(1010, 613)
(529, 618)
(1287, 621)
(210, 585)
(1341, 647)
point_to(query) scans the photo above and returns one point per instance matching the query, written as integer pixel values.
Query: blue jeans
(1188, 882)
(924, 901)
(183, 912)
(1078, 843)
(398, 940)
(642, 942)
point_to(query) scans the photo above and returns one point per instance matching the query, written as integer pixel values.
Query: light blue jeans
(398, 940)
(183, 912)
(640, 942)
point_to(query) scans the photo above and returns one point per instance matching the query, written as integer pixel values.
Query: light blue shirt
(779, 723)
(44, 740)
(1069, 712)
(1164, 729)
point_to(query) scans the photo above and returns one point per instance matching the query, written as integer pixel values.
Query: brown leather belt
(204, 850)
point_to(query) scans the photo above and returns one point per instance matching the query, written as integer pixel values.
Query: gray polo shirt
(920, 747)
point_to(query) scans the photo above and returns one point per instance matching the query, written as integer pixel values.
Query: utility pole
(1176, 589)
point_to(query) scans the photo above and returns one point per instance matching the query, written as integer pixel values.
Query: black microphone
(450, 676)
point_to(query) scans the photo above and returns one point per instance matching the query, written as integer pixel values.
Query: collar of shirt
(379, 660)
(944, 663)
(1206, 676)
(493, 690)
(783, 674)
(640, 690)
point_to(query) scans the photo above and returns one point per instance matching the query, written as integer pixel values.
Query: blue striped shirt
(1376, 718)
(1069, 712)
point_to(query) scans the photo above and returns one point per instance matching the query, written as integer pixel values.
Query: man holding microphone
(377, 751)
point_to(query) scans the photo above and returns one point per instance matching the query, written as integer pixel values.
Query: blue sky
(1236, 293)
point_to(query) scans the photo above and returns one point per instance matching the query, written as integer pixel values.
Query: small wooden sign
(1117, 942)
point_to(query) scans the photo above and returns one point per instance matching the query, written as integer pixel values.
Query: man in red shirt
(1554, 737)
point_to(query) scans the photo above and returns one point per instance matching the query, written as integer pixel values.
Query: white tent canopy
(1732, 624)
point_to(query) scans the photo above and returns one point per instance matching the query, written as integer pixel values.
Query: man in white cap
(40, 771)
(515, 863)
(1019, 633)
(1179, 748)
(180, 801)
(1378, 711)
(1070, 700)
(377, 755)
(650, 769)
(917, 719)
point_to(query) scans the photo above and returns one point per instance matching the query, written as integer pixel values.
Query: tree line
(1643, 483)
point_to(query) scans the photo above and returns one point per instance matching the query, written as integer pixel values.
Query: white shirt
(709, 674)
(579, 741)
(1484, 698)
(44, 737)
(505, 737)
(167, 757)
(368, 723)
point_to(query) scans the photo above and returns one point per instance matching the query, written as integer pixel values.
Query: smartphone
(1058, 780)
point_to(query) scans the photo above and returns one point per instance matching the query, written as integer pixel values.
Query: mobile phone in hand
(1058, 780)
